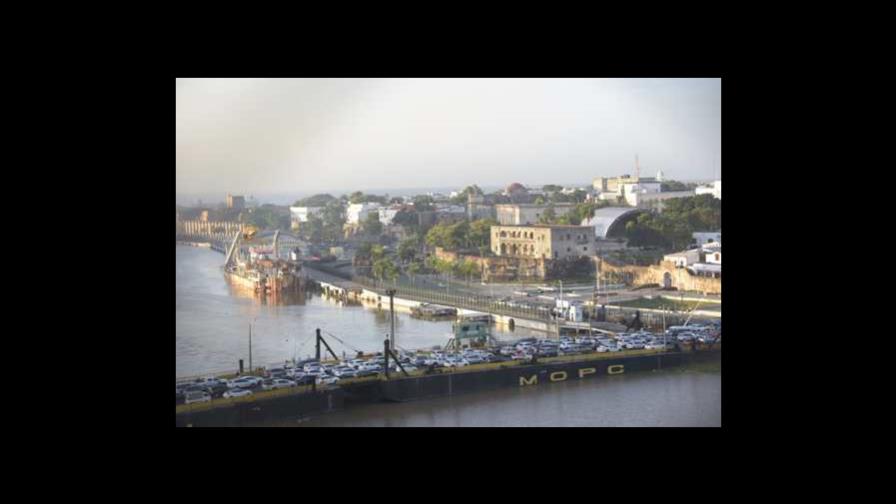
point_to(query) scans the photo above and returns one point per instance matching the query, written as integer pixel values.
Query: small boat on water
(430, 311)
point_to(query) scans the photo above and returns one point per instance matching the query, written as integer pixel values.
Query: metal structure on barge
(261, 269)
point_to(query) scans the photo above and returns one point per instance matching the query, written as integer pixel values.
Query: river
(212, 334)
(212, 322)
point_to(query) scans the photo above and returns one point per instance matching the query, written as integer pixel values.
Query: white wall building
(387, 214)
(683, 259)
(715, 189)
(299, 215)
(714, 256)
(702, 238)
(357, 213)
(640, 188)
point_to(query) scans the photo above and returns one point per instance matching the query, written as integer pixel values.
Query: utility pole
(391, 293)
(250, 348)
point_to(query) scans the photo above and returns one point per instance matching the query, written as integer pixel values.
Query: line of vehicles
(310, 371)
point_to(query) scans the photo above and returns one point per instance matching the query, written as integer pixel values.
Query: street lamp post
(250, 343)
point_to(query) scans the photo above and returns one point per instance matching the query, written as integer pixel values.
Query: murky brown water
(669, 398)
(213, 317)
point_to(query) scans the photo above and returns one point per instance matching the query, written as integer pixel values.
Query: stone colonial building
(542, 241)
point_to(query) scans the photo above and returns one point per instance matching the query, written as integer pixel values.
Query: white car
(327, 380)
(278, 383)
(237, 392)
(244, 382)
(196, 397)
(354, 363)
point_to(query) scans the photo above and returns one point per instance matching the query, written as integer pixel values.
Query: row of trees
(461, 235)
(575, 216)
(673, 228)
(461, 198)
(381, 266)
(266, 217)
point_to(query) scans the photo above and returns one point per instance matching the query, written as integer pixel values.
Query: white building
(357, 213)
(526, 214)
(299, 215)
(632, 191)
(714, 255)
(715, 189)
(683, 259)
(702, 238)
(388, 213)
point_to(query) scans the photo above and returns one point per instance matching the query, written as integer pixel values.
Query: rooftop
(711, 268)
(555, 226)
(535, 205)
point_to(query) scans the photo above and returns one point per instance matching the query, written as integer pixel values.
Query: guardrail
(488, 304)
(466, 301)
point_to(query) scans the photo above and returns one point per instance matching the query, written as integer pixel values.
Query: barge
(258, 411)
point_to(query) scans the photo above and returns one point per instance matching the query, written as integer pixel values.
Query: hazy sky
(264, 136)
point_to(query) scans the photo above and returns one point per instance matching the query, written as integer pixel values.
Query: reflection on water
(283, 297)
(668, 398)
(213, 317)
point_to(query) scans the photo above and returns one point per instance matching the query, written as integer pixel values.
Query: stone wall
(655, 274)
(500, 268)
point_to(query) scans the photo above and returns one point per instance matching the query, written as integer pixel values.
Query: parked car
(278, 383)
(197, 388)
(237, 392)
(244, 382)
(196, 397)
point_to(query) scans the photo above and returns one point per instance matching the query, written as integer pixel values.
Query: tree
(356, 197)
(313, 229)
(407, 218)
(385, 269)
(318, 200)
(480, 233)
(414, 268)
(539, 200)
(548, 216)
(550, 188)
(397, 200)
(673, 185)
(462, 197)
(408, 248)
(468, 268)
(333, 216)
(442, 266)
(377, 252)
(266, 217)
(423, 203)
(373, 226)
(449, 236)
